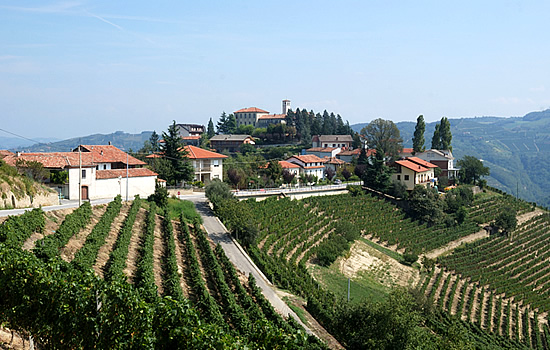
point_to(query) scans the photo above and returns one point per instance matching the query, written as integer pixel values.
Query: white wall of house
(208, 169)
(411, 178)
(107, 188)
(87, 180)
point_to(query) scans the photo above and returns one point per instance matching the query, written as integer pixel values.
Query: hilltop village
(263, 230)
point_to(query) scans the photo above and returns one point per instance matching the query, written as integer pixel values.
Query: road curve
(219, 234)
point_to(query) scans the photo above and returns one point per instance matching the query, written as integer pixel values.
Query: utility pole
(79, 175)
(126, 176)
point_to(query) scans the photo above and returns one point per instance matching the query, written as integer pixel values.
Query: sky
(75, 68)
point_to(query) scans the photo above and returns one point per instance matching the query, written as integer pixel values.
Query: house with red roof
(309, 165)
(414, 171)
(259, 118)
(98, 171)
(208, 165)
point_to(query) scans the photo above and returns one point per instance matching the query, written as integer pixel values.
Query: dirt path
(182, 261)
(7, 342)
(107, 247)
(77, 240)
(452, 245)
(135, 243)
(454, 304)
(158, 254)
(527, 216)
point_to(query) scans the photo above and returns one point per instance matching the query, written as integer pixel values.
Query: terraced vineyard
(171, 265)
(500, 285)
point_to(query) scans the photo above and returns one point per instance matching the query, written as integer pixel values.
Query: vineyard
(122, 275)
(500, 285)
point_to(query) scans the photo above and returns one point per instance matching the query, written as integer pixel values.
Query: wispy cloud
(538, 89)
(106, 21)
(58, 7)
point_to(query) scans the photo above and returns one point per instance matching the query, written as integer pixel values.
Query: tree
(436, 139)
(506, 220)
(471, 170)
(32, 169)
(330, 173)
(217, 191)
(425, 205)
(154, 140)
(210, 132)
(288, 176)
(383, 135)
(274, 170)
(174, 151)
(445, 134)
(418, 138)
(234, 176)
(227, 124)
(377, 174)
(160, 197)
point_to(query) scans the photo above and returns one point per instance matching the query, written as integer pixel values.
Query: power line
(23, 137)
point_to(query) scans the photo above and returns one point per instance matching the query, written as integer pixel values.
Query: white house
(309, 165)
(208, 165)
(322, 152)
(99, 171)
(443, 159)
(324, 141)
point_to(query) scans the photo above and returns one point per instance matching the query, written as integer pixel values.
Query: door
(84, 192)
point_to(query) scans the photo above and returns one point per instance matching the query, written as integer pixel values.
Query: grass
(297, 310)
(176, 206)
(361, 288)
(383, 250)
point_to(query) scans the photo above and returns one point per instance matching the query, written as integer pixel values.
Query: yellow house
(414, 171)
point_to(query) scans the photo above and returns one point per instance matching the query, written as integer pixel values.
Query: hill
(123, 276)
(119, 139)
(515, 149)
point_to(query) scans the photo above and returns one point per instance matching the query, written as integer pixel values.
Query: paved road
(65, 204)
(219, 234)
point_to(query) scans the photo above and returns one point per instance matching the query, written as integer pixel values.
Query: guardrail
(265, 191)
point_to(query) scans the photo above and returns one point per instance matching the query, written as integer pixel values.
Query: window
(398, 177)
(83, 173)
(216, 176)
(216, 162)
(406, 177)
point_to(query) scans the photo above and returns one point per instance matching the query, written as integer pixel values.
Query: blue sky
(74, 68)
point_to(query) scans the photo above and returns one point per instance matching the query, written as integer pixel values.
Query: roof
(288, 165)
(191, 137)
(333, 160)
(422, 162)
(200, 153)
(353, 152)
(5, 153)
(273, 116)
(340, 138)
(321, 149)
(230, 137)
(410, 165)
(407, 150)
(90, 156)
(109, 154)
(308, 158)
(251, 110)
(132, 172)
(443, 153)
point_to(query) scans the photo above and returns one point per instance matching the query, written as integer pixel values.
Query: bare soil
(182, 261)
(135, 243)
(365, 259)
(158, 254)
(77, 240)
(110, 240)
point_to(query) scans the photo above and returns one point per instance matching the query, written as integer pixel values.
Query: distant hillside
(515, 149)
(15, 142)
(119, 139)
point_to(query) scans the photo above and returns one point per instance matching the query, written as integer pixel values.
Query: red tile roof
(333, 160)
(407, 151)
(410, 165)
(132, 172)
(109, 154)
(308, 158)
(288, 165)
(199, 153)
(251, 110)
(422, 162)
(321, 149)
(196, 137)
(5, 153)
(89, 157)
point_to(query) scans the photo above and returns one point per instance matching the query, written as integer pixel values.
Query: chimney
(109, 143)
(18, 154)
